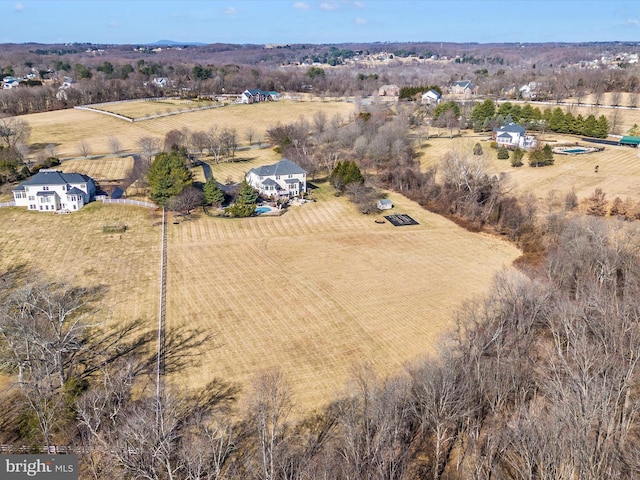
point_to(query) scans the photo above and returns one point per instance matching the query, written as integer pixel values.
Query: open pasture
(141, 109)
(74, 248)
(67, 128)
(618, 173)
(101, 169)
(322, 289)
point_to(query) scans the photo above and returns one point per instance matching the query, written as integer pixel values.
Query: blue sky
(323, 21)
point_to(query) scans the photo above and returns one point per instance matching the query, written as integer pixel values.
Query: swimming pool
(574, 150)
(261, 210)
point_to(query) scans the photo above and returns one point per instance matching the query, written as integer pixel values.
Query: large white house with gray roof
(51, 190)
(513, 135)
(284, 178)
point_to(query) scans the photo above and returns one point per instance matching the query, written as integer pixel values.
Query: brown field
(151, 107)
(73, 248)
(323, 288)
(618, 175)
(100, 169)
(67, 128)
(315, 291)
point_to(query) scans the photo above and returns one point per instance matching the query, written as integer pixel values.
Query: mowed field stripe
(297, 293)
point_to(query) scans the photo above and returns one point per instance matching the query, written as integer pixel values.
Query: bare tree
(114, 145)
(83, 148)
(148, 147)
(14, 131)
(250, 134)
(199, 141)
(269, 408)
(190, 198)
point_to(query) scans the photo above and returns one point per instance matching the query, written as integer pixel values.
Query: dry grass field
(151, 107)
(67, 128)
(618, 173)
(100, 169)
(315, 291)
(73, 248)
(322, 289)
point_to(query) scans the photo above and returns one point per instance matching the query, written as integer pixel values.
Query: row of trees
(486, 116)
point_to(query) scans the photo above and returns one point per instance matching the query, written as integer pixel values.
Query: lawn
(73, 248)
(107, 168)
(322, 289)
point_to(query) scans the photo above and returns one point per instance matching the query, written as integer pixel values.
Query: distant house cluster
(10, 82)
(255, 95)
(281, 179)
(54, 191)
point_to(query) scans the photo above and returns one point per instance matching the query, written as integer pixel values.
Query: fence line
(126, 201)
(8, 204)
(104, 112)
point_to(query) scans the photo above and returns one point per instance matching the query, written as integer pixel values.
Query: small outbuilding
(385, 204)
(629, 141)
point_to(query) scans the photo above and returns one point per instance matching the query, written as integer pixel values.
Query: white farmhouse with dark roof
(254, 95)
(431, 97)
(513, 135)
(284, 178)
(54, 191)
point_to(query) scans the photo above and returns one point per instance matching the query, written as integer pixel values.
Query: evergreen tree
(444, 106)
(557, 121)
(602, 127)
(168, 176)
(213, 195)
(590, 126)
(516, 158)
(477, 149)
(345, 173)
(482, 113)
(245, 203)
(503, 153)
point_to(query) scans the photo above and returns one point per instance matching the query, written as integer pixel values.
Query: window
(32, 207)
(74, 207)
(45, 188)
(31, 198)
(277, 177)
(64, 188)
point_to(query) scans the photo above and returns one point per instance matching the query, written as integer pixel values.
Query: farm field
(322, 289)
(152, 107)
(67, 128)
(618, 173)
(100, 169)
(74, 248)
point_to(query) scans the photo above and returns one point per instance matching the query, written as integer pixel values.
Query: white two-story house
(284, 178)
(51, 190)
(513, 135)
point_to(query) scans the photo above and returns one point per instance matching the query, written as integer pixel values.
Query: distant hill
(171, 43)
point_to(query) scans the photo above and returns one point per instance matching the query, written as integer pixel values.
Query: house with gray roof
(51, 190)
(254, 95)
(284, 178)
(464, 87)
(513, 135)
